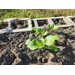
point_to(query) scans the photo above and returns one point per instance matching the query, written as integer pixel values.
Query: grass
(35, 13)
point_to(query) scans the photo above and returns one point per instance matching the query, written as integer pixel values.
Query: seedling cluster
(49, 40)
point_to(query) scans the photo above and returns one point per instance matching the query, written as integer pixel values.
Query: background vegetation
(35, 13)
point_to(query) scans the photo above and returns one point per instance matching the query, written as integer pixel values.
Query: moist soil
(73, 19)
(19, 24)
(59, 21)
(13, 50)
(3, 25)
(42, 23)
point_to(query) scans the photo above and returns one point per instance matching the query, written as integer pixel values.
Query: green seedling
(49, 40)
(52, 27)
(40, 30)
(38, 44)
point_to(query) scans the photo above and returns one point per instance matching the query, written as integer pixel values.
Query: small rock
(17, 53)
(44, 60)
(50, 56)
(39, 58)
(17, 61)
(20, 45)
(30, 36)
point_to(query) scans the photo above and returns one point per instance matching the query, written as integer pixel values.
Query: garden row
(25, 24)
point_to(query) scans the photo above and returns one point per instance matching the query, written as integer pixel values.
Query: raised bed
(40, 22)
(5, 27)
(21, 25)
(61, 21)
(71, 19)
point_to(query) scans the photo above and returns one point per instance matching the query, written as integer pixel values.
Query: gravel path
(13, 50)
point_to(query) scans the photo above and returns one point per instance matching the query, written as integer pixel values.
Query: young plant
(0, 23)
(40, 30)
(52, 27)
(38, 44)
(49, 40)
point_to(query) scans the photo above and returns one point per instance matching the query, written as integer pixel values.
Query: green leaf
(38, 30)
(51, 26)
(53, 47)
(53, 37)
(33, 28)
(56, 27)
(34, 44)
(45, 33)
(50, 40)
(42, 31)
(28, 41)
(42, 41)
(48, 26)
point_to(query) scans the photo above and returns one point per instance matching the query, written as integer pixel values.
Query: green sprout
(49, 40)
(52, 27)
(40, 30)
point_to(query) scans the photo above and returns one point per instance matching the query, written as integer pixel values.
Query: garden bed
(19, 24)
(40, 22)
(3, 25)
(59, 21)
(14, 51)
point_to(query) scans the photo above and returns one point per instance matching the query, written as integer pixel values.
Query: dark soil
(59, 21)
(19, 24)
(3, 25)
(42, 23)
(14, 51)
(73, 19)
